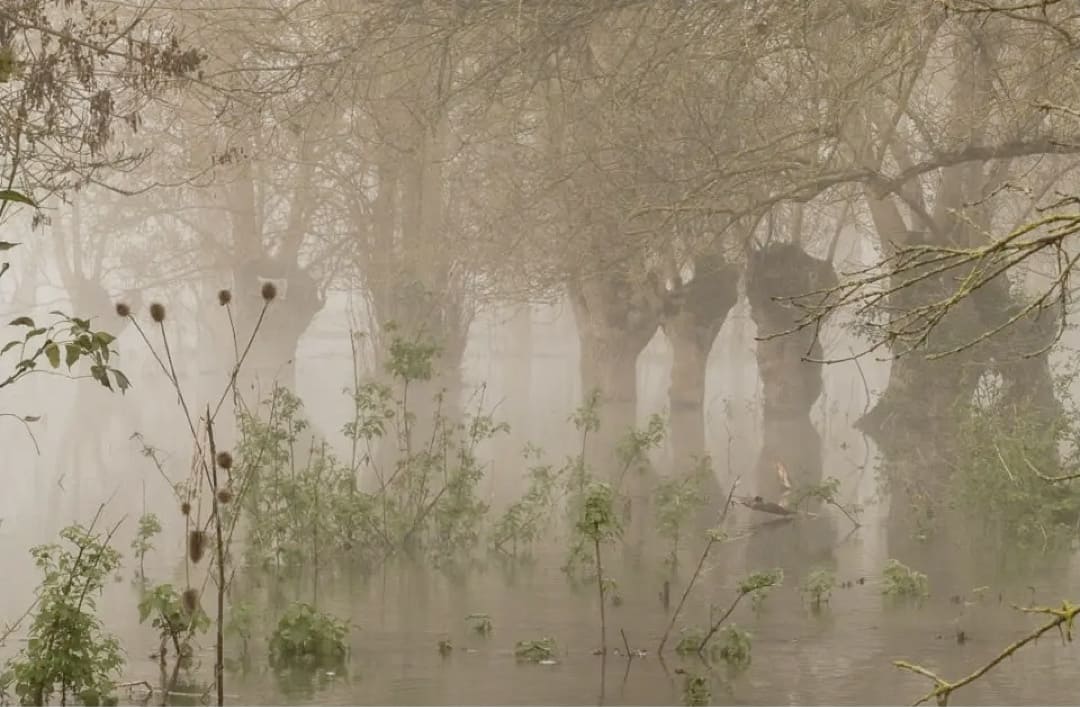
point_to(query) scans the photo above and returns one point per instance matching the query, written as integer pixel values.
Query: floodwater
(841, 655)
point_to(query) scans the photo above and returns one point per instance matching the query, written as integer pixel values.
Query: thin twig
(713, 538)
(1063, 619)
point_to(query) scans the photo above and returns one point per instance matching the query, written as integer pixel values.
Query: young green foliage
(68, 652)
(818, 586)
(902, 582)
(678, 499)
(175, 623)
(149, 527)
(309, 637)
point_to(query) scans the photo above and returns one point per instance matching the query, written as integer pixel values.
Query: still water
(840, 655)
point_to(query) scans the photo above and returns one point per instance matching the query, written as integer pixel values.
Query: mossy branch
(1062, 620)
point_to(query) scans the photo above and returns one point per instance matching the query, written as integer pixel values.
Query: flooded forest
(539, 352)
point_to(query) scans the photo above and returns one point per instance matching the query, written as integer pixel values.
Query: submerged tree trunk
(791, 454)
(696, 311)
(792, 384)
(615, 320)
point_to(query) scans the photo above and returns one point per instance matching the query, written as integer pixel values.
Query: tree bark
(696, 310)
(792, 384)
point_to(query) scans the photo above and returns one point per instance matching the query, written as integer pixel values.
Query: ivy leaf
(7, 245)
(21, 321)
(71, 354)
(52, 352)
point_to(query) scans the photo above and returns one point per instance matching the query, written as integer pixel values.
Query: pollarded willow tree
(948, 153)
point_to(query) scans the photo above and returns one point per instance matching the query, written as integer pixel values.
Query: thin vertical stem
(600, 587)
(219, 658)
(697, 571)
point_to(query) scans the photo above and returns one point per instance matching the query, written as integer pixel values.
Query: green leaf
(8, 346)
(17, 197)
(122, 381)
(52, 352)
(101, 375)
(7, 245)
(4, 267)
(34, 332)
(21, 321)
(31, 418)
(71, 354)
(104, 337)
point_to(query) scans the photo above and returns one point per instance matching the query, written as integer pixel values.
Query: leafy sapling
(599, 525)
(69, 653)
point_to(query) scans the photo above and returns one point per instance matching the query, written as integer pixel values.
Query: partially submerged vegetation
(280, 506)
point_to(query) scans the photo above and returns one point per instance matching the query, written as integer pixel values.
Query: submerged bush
(535, 651)
(902, 582)
(307, 636)
(1002, 456)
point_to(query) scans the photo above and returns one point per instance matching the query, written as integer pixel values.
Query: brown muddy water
(841, 655)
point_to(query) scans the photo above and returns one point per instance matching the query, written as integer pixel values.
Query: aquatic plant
(903, 582)
(818, 586)
(715, 535)
(537, 651)
(599, 525)
(69, 653)
(305, 635)
(755, 582)
(691, 640)
(735, 647)
(696, 690)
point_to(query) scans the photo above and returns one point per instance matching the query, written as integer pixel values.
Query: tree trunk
(695, 312)
(272, 356)
(792, 384)
(615, 321)
(791, 445)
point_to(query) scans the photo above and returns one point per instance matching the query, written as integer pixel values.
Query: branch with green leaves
(67, 341)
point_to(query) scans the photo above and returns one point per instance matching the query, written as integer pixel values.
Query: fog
(538, 353)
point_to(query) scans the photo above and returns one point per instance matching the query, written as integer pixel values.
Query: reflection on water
(841, 656)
